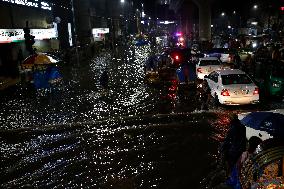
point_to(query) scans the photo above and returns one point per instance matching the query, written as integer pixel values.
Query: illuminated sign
(282, 8)
(166, 22)
(99, 33)
(96, 31)
(14, 35)
(30, 3)
(70, 34)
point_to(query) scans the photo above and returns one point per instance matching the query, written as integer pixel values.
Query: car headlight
(276, 84)
(254, 45)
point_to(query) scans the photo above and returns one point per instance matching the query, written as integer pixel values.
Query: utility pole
(75, 32)
(29, 39)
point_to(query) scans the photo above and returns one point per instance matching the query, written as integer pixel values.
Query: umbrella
(28, 63)
(272, 123)
(38, 60)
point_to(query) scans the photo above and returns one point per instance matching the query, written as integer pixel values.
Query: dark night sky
(242, 7)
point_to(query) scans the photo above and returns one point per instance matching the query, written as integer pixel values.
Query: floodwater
(166, 151)
(132, 137)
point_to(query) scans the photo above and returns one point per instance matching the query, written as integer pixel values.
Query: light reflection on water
(81, 99)
(135, 153)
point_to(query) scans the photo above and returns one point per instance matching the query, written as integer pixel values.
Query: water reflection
(138, 152)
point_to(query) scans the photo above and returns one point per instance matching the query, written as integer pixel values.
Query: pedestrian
(234, 143)
(151, 63)
(20, 56)
(237, 60)
(252, 145)
(247, 66)
(235, 174)
(276, 55)
(205, 95)
(104, 80)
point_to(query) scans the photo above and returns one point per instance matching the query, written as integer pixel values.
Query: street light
(255, 6)
(223, 14)
(121, 1)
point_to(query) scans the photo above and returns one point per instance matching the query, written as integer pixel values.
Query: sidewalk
(6, 82)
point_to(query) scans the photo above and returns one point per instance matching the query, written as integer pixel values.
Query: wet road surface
(166, 151)
(129, 138)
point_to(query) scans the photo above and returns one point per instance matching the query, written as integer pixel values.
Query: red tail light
(176, 57)
(173, 88)
(174, 82)
(199, 70)
(231, 57)
(256, 91)
(225, 92)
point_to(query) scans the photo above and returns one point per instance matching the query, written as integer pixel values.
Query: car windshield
(235, 79)
(209, 62)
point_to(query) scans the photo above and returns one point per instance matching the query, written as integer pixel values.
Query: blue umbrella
(273, 123)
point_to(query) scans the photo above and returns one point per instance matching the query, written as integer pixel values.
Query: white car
(207, 65)
(232, 87)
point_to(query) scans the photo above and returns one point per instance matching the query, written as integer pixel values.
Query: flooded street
(148, 152)
(132, 137)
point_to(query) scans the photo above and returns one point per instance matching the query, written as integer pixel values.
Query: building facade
(15, 15)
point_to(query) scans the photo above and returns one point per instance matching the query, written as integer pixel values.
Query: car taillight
(199, 70)
(256, 91)
(230, 59)
(225, 92)
(174, 82)
(176, 57)
(173, 88)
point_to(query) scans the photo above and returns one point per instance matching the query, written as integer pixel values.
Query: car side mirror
(206, 76)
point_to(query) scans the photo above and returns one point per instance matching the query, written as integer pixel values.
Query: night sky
(242, 7)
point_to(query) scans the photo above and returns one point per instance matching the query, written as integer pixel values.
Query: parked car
(274, 81)
(224, 54)
(207, 65)
(232, 87)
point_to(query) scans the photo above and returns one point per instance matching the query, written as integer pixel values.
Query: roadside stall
(42, 71)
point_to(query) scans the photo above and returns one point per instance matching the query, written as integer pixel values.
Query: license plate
(241, 92)
(209, 70)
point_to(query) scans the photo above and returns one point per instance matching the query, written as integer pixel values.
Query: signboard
(70, 34)
(98, 33)
(30, 3)
(15, 35)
